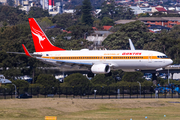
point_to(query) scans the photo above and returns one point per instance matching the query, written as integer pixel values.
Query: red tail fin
(41, 42)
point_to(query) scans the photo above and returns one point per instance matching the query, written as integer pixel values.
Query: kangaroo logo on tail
(41, 42)
(39, 35)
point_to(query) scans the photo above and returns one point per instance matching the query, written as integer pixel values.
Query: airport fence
(124, 92)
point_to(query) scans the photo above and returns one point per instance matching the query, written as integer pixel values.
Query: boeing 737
(97, 61)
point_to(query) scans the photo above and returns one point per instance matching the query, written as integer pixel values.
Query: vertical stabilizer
(41, 42)
(131, 45)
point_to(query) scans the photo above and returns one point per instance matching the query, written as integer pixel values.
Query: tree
(12, 73)
(143, 15)
(107, 21)
(78, 13)
(47, 81)
(133, 77)
(136, 31)
(86, 13)
(111, 10)
(12, 15)
(72, 44)
(12, 38)
(45, 23)
(97, 23)
(3, 56)
(77, 80)
(167, 42)
(160, 14)
(76, 83)
(21, 83)
(36, 12)
(101, 79)
(10, 2)
(80, 31)
(64, 20)
(53, 33)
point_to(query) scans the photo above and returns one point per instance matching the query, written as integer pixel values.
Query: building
(3, 80)
(44, 4)
(56, 8)
(25, 77)
(137, 9)
(107, 27)
(53, 8)
(26, 5)
(157, 28)
(159, 9)
(163, 21)
(69, 11)
(124, 21)
(98, 37)
(149, 21)
(146, 9)
(4, 2)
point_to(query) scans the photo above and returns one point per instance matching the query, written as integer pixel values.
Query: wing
(57, 63)
(66, 64)
(31, 54)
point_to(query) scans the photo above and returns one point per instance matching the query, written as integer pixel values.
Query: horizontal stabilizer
(26, 53)
(16, 53)
(21, 53)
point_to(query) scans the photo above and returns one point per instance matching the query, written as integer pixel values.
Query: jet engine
(100, 69)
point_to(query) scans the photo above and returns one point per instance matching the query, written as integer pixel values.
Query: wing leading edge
(62, 63)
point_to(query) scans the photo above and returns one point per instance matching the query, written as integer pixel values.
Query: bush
(102, 80)
(133, 77)
(75, 84)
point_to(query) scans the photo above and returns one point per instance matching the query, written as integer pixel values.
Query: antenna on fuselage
(131, 45)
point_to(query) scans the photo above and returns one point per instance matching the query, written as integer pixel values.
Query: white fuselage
(116, 59)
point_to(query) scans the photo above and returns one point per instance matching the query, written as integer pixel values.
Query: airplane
(96, 61)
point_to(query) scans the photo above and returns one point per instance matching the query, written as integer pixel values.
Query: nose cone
(170, 61)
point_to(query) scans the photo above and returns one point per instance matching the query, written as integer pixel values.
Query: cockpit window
(162, 56)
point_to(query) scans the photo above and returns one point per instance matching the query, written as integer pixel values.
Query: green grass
(120, 114)
(89, 109)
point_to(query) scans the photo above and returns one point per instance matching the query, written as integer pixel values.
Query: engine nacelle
(100, 69)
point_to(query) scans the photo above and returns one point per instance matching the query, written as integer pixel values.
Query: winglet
(26, 51)
(131, 45)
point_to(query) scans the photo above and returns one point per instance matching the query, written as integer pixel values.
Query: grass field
(90, 109)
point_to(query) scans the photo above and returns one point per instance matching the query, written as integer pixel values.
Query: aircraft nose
(170, 61)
